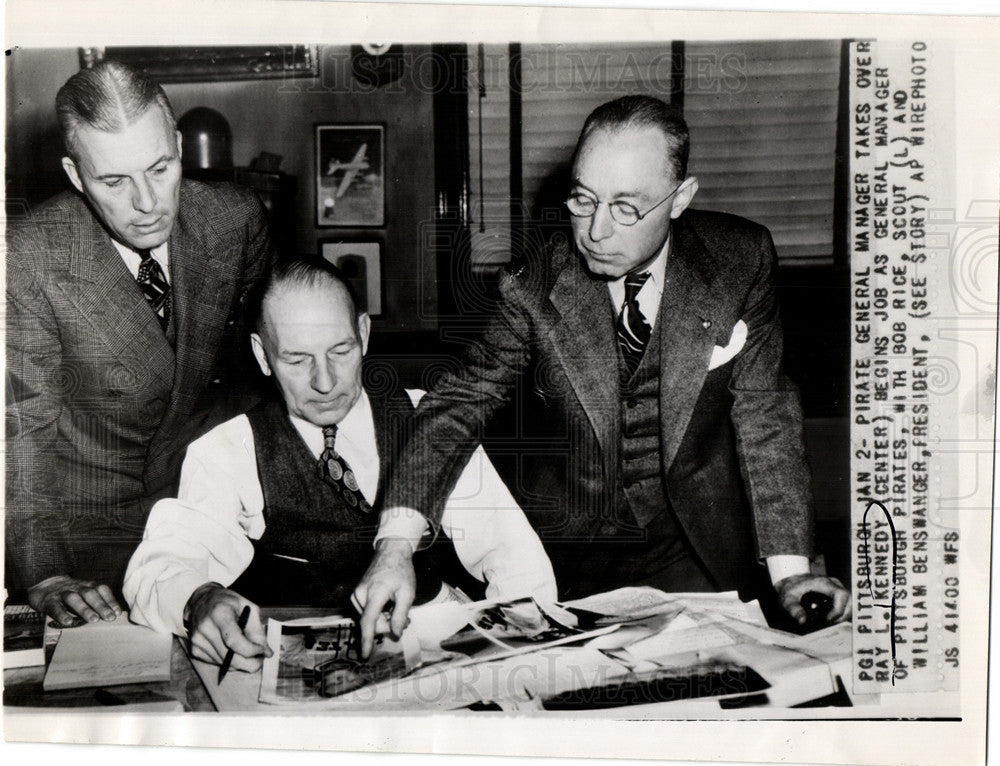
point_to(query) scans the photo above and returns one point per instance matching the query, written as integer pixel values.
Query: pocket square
(722, 355)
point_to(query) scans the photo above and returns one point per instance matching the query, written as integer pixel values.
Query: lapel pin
(706, 323)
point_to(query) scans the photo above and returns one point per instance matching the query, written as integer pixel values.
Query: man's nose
(143, 196)
(323, 378)
(601, 223)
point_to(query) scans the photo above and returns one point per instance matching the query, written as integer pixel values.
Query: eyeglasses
(625, 213)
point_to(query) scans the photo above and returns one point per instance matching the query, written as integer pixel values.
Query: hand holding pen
(225, 629)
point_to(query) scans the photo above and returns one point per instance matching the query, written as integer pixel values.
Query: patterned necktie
(633, 329)
(154, 286)
(333, 469)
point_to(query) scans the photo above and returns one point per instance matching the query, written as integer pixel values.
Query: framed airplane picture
(350, 175)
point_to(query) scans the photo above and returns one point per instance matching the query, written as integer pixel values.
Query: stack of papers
(108, 654)
(628, 646)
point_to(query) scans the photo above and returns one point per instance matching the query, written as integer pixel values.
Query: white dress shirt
(204, 534)
(132, 259)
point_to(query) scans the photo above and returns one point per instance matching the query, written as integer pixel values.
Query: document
(108, 653)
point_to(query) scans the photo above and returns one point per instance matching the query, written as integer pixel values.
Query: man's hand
(390, 578)
(213, 612)
(792, 589)
(62, 596)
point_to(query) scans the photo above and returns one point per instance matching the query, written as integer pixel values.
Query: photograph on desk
(667, 341)
(628, 647)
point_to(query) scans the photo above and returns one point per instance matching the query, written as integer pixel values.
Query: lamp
(206, 140)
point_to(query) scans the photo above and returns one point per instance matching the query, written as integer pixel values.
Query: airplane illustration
(351, 170)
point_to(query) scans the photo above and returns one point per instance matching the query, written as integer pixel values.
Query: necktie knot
(633, 330)
(154, 285)
(633, 284)
(329, 436)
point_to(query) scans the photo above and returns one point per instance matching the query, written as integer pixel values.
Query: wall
(279, 117)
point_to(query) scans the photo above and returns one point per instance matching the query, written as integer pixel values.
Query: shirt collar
(657, 276)
(356, 427)
(160, 253)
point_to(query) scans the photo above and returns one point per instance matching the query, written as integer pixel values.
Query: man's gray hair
(302, 271)
(640, 112)
(109, 97)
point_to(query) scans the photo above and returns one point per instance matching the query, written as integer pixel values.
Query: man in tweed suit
(124, 302)
(660, 442)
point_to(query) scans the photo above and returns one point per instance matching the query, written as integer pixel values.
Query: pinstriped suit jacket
(100, 406)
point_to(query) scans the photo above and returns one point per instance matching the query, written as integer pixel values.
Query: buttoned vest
(641, 542)
(315, 548)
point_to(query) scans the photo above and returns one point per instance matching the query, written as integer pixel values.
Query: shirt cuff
(786, 565)
(163, 608)
(402, 523)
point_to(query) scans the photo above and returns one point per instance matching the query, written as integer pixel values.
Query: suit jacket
(730, 437)
(100, 406)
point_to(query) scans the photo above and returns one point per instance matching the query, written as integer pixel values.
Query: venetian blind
(562, 84)
(763, 122)
(489, 155)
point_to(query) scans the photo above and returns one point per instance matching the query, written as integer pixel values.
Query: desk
(22, 687)
(186, 692)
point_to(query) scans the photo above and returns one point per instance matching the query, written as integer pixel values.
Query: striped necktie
(633, 329)
(333, 469)
(154, 286)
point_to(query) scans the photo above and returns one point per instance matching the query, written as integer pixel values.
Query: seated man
(275, 506)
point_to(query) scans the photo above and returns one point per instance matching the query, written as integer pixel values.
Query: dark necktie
(154, 286)
(333, 469)
(633, 329)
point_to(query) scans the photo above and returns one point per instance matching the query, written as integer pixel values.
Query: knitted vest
(315, 548)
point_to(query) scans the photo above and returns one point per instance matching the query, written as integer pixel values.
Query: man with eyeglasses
(660, 443)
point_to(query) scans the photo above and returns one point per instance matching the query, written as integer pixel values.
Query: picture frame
(360, 261)
(350, 175)
(211, 63)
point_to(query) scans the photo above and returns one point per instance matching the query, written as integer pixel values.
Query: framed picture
(211, 63)
(361, 263)
(350, 175)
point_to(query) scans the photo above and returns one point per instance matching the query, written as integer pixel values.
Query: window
(763, 120)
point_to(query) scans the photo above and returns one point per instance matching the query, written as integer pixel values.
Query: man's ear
(258, 351)
(73, 172)
(364, 330)
(180, 144)
(684, 196)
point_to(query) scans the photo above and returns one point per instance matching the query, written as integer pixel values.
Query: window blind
(763, 122)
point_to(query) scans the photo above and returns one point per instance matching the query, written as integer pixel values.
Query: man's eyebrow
(641, 194)
(160, 160)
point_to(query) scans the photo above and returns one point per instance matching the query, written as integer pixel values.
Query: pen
(240, 623)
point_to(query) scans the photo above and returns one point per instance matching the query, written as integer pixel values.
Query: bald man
(280, 506)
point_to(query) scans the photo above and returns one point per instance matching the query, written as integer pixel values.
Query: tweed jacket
(731, 444)
(100, 406)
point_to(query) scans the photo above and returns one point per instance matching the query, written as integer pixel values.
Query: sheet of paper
(237, 692)
(623, 601)
(794, 677)
(108, 653)
(670, 642)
